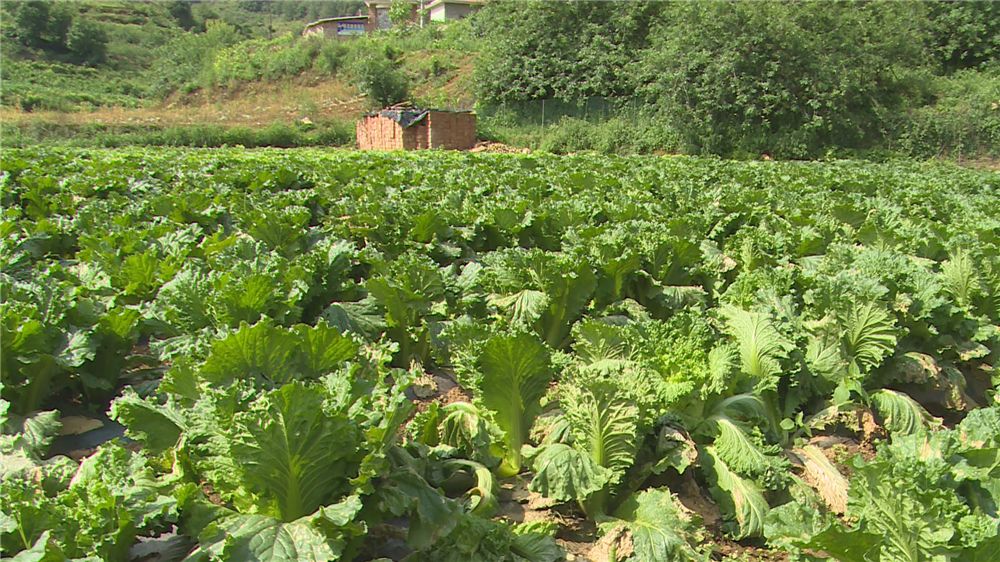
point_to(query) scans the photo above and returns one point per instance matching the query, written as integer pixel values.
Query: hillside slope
(224, 73)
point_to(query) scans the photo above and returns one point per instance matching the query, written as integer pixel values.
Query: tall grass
(333, 133)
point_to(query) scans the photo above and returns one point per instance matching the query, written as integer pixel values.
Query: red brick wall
(455, 131)
(380, 133)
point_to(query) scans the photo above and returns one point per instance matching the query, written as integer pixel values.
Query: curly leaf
(959, 276)
(824, 476)
(360, 317)
(157, 427)
(37, 433)
(261, 351)
(657, 526)
(736, 448)
(322, 348)
(599, 345)
(318, 537)
(524, 307)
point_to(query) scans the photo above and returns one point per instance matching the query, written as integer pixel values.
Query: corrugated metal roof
(329, 20)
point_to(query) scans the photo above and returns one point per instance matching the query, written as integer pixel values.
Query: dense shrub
(59, 23)
(41, 23)
(779, 77)
(180, 10)
(330, 57)
(87, 41)
(378, 77)
(629, 130)
(965, 34)
(31, 21)
(188, 55)
(566, 50)
(963, 121)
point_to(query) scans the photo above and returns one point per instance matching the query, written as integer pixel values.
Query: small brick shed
(413, 129)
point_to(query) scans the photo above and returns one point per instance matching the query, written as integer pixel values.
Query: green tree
(400, 12)
(180, 10)
(379, 79)
(31, 22)
(87, 41)
(965, 34)
(60, 20)
(566, 50)
(780, 77)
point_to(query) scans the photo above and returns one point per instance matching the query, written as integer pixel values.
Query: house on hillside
(408, 128)
(437, 10)
(346, 27)
(444, 10)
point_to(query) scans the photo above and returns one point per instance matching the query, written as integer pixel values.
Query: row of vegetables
(272, 328)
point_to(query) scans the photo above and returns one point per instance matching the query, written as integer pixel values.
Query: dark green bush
(565, 50)
(330, 57)
(963, 121)
(964, 34)
(378, 77)
(87, 41)
(59, 24)
(779, 77)
(31, 22)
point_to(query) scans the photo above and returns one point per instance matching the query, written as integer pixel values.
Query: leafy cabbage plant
(931, 495)
(56, 509)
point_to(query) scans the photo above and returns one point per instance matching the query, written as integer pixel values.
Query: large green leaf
(797, 526)
(740, 497)
(36, 434)
(45, 549)
(906, 502)
(184, 301)
(657, 526)
(761, 345)
(959, 276)
(290, 450)
(986, 551)
(604, 424)
(361, 318)
(565, 474)
(600, 346)
(516, 374)
(523, 308)
(111, 497)
(900, 413)
(569, 290)
(484, 540)
(157, 427)
(317, 537)
(431, 514)
(869, 335)
(262, 352)
(322, 349)
(738, 450)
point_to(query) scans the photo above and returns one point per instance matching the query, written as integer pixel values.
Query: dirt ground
(256, 104)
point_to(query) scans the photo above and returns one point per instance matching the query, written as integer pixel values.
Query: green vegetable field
(309, 355)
